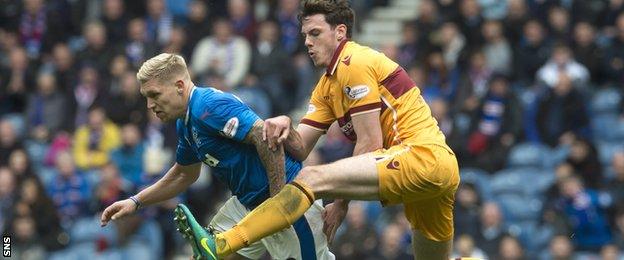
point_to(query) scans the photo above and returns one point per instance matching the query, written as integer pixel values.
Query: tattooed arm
(273, 160)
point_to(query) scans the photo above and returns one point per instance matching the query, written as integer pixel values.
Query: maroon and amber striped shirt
(360, 80)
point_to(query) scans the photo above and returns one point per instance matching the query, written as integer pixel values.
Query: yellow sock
(273, 215)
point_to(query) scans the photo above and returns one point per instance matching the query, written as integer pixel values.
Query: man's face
(321, 39)
(164, 99)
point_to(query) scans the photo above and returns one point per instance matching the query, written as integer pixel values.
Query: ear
(179, 84)
(341, 32)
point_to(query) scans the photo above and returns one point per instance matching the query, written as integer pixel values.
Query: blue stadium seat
(555, 156)
(606, 101)
(605, 127)
(478, 177)
(525, 181)
(518, 207)
(606, 150)
(527, 155)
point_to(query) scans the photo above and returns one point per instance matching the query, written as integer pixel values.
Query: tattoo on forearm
(273, 161)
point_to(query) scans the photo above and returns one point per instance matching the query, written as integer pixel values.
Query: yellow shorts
(424, 177)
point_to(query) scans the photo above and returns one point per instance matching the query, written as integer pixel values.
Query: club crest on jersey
(311, 109)
(356, 92)
(230, 128)
(195, 136)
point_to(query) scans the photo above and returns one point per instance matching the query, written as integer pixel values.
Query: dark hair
(335, 11)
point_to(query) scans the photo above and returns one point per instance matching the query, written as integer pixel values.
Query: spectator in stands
(465, 247)
(270, 63)
(8, 193)
(47, 107)
(583, 158)
(532, 52)
(614, 54)
(615, 187)
(9, 141)
(411, 47)
(585, 214)
(286, 17)
(40, 29)
(610, 252)
(87, 92)
(561, 248)
(98, 52)
(441, 81)
(198, 25)
(468, 206)
(129, 106)
(454, 45)
(65, 70)
(562, 63)
(474, 84)
(359, 239)
(111, 188)
(469, 21)
(19, 163)
(587, 52)
(491, 229)
(510, 249)
(115, 20)
(34, 201)
(69, 190)
(517, 16)
(497, 51)
(223, 54)
(495, 126)
(390, 246)
(158, 22)
(138, 46)
(561, 112)
(559, 24)
(94, 141)
(242, 18)
(619, 228)
(26, 244)
(17, 79)
(129, 156)
(177, 42)
(116, 69)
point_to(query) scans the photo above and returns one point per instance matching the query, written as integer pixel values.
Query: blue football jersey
(212, 132)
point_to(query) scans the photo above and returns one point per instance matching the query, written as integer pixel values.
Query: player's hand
(117, 210)
(333, 215)
(275, 131)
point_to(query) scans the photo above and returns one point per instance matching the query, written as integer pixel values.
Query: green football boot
(202, 240)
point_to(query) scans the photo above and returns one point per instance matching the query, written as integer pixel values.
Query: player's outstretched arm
(298, 143)
(176, 180)
(272, 159)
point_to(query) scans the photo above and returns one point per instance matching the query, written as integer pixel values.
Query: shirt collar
(188, 107)
(331, 68)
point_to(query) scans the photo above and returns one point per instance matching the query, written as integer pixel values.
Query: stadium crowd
(528, 94)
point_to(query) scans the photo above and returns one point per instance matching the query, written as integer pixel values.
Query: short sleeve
(184, 153)
(225, 114)
(319, 115)
(360, 89)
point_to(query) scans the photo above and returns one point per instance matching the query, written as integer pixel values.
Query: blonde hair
(162, 67)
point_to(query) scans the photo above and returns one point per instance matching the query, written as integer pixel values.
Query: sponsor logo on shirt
(356, 92)
(230, 128)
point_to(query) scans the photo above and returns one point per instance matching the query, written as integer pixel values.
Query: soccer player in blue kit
(218, 129)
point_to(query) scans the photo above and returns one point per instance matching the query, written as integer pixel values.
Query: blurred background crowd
(528, 94)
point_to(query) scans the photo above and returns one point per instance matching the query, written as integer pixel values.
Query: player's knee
(311, 176)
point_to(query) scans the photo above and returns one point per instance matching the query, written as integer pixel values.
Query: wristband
(136, 202)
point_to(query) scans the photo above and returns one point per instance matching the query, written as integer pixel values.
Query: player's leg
(430, 211)
(351, 178)
(228, 215)
(425, 248)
